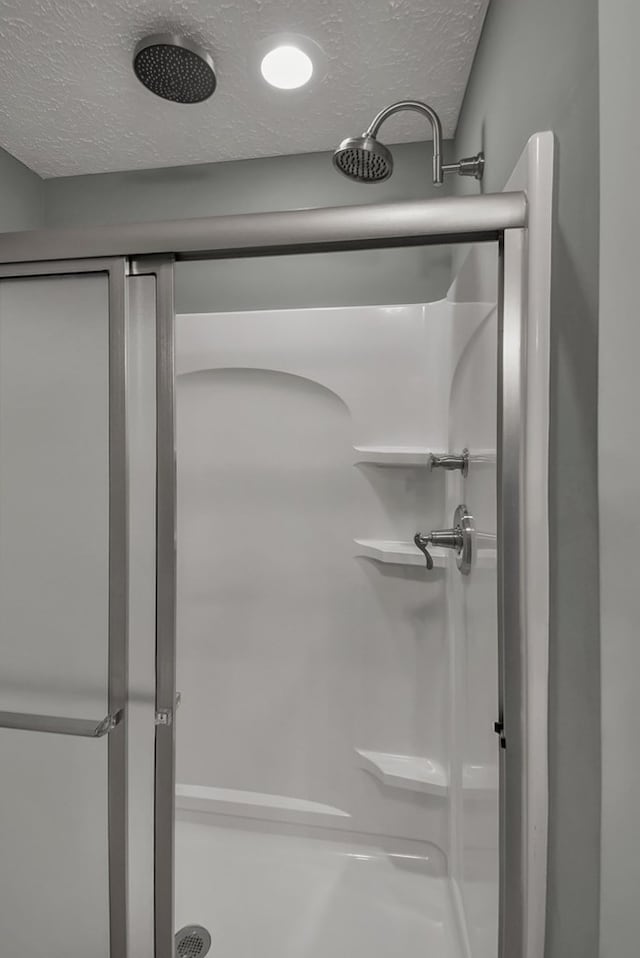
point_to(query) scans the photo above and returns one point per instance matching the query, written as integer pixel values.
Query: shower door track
(502, 218)
(409, 223)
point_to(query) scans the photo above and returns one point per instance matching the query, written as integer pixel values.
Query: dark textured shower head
(174, 68)
(364, 159)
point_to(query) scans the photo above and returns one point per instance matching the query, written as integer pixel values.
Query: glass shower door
(336, 776)
(473, 606)
(63, 610)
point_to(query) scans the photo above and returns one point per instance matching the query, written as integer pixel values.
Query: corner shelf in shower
(394, 455)
(411, 772)
(394, 552)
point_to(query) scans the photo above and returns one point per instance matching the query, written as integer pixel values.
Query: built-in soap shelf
(410, 772)
(394, 455)
(419, 774)
(394, 552)
(241, 803)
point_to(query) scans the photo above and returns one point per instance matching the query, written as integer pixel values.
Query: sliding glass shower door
(76, 363)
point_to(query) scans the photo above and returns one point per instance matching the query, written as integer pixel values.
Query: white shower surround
(357, 776)
(294, 391)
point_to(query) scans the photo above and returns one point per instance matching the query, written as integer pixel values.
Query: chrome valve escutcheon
(459, 538)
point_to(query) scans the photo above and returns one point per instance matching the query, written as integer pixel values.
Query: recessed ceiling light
(287, 67)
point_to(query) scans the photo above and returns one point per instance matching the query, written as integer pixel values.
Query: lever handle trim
(422, 542)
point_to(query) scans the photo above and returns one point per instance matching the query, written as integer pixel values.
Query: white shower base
(263, 892)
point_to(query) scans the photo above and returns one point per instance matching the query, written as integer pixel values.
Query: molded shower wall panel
(293, 652)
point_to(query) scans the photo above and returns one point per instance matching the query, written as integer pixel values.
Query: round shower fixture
(175, 68)
(366, 160)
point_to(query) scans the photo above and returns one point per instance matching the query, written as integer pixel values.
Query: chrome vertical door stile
(114, 725)
(118, 608)
(166, 615)
(162, 268)
(511, 721)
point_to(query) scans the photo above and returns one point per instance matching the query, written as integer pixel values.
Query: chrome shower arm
(468, 166)
(436, 126)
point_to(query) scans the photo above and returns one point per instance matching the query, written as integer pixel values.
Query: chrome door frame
(161, 268)
(501, 218)
(511, 725)
(118, 632)
(449, 219)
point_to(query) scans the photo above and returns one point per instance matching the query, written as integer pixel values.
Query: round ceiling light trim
(175, 68)
(309, 54)
(287, 67)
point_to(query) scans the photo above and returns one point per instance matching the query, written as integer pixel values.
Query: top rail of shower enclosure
(407, 223)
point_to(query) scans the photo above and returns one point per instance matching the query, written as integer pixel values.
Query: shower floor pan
(263, 892)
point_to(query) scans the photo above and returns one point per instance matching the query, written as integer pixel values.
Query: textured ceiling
(71, 104)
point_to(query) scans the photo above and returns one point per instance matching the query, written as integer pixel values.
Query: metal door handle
(57, 725)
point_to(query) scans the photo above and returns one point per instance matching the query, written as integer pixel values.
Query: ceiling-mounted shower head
(364, 159)
(175, 68)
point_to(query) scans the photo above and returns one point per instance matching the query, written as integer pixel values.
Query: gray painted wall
(274, 183)
(619, 455)
(537, 69)
(21, 196)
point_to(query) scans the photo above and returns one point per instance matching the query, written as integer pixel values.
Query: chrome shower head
(364, 159)
(174, 68)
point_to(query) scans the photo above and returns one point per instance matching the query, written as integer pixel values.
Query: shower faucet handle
(444, 538)
(459, 538)
(451, 462)
(422, 542)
